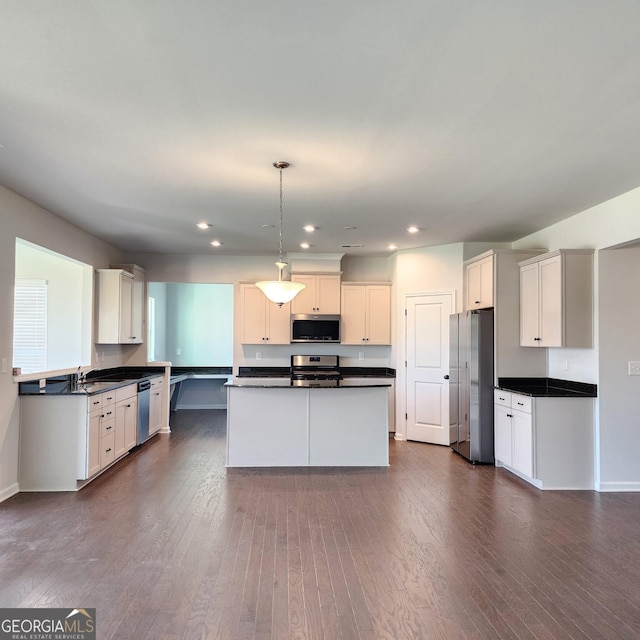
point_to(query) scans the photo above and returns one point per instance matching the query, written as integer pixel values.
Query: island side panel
(349, 427)
(267, 427)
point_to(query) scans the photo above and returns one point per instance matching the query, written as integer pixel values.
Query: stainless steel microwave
(311, 327)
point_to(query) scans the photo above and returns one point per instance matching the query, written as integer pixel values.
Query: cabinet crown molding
(557, 252)
(495, 252)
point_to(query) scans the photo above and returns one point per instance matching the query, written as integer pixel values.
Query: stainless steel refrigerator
(471, 384)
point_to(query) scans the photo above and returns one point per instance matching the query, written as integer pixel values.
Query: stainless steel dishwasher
(144, 395)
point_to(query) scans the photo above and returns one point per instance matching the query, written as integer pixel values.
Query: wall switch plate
(634, 368)
(178, 351)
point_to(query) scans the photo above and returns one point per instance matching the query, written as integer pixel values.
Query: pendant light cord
(280, 254)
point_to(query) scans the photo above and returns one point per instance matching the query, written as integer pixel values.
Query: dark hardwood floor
(171, 545)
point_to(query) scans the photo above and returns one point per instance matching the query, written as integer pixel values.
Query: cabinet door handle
(509, 415)
(108, 429)
(446, 377)
(500, 398)
(537, 338)
(477, 302)
(128, 406)
(520, 403)
(107, 450)
(109, 413)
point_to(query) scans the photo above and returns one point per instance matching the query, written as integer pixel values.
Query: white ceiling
(476, 121)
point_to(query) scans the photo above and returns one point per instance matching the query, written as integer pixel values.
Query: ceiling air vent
(351, 246)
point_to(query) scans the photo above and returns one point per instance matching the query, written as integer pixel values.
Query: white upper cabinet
(120, 306)
(478, 283)
(262, 321)
(556, 299)
(320, 295)
(366, 314)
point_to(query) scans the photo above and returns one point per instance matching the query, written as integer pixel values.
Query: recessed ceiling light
(216, 243)
(350, 228)
(351, 246)
(304, 245)
(392, 246)
(413, 229)
(204, 225)
(309, 228)
(268, 226)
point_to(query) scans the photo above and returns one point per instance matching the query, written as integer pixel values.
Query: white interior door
(427, 356)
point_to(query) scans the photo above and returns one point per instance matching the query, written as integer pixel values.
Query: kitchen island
(273, 424)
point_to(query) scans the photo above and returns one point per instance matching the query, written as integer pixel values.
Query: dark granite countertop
(214, 371)
(346, 372)
(63, 387)
(97, 381)
(273, 383)
(548, 387)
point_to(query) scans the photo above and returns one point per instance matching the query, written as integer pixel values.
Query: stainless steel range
(315, 371)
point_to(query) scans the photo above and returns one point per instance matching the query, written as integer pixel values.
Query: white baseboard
(9, 491)
(618, 486)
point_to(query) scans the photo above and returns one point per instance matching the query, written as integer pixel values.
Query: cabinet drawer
(108, 398)
(107, 426)
(502, 397)
(521, 403)
(107, 450)
(94, 403)
(513, 400)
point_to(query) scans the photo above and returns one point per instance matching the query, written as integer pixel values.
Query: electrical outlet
(4, 365)
(258, 355)
(565, 365)
(102, 356)
(178, 351)
(360, 355)
(634, 368)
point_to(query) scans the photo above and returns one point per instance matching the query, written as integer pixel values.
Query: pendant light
(280, 291)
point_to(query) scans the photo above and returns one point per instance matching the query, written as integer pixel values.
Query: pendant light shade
(280, 291)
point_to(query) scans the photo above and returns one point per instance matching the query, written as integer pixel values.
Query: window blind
(30, 325)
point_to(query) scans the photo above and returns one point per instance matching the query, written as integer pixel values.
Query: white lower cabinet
(126, 419)
(66, 440)
(513, 433)
(155, 405)
(548, 441)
